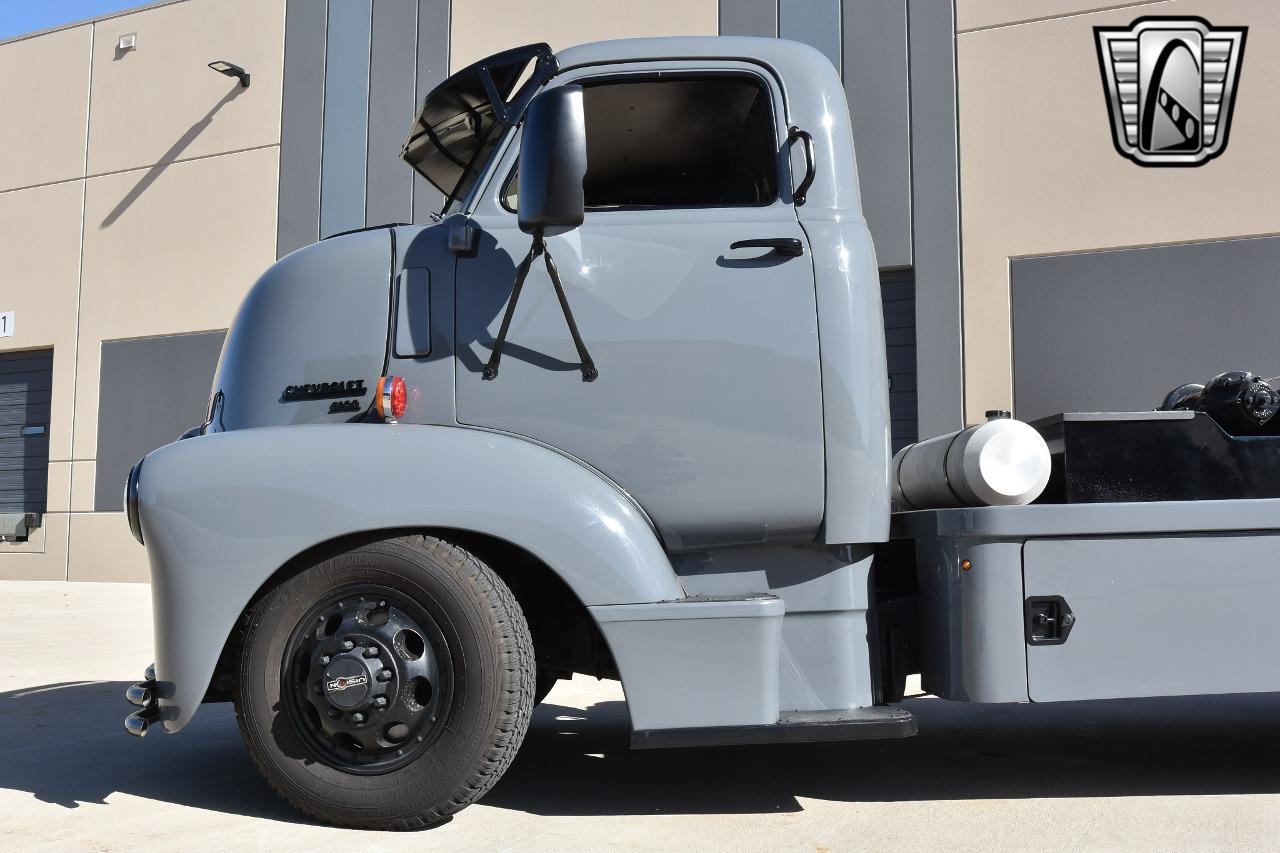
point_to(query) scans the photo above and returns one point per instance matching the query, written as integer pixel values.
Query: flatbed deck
(1097, 601)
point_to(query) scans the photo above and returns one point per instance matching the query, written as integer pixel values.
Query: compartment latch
(1049, 620)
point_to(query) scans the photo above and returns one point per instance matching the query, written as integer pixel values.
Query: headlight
(131, 501)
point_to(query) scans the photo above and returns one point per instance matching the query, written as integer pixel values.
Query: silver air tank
(1002, 462)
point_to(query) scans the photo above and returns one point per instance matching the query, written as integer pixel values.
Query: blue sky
(18, 17)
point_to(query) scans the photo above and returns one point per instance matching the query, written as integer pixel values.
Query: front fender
(221, 513)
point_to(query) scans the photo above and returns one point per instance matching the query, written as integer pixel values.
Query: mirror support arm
(539, 247)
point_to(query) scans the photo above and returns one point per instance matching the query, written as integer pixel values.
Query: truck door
(708, 405)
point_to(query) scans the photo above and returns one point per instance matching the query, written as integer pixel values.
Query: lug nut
(384, 675)
(380, 701)
(347, 645)
(324, 660)
(357, 718)
(372, 652)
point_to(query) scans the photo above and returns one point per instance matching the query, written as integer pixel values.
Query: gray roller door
(26, 380)
(132, 419)
(898, 293)
(1115, 331)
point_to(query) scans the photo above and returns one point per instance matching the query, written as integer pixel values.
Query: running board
(880, 721)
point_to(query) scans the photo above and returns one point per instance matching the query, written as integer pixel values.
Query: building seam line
(75, 340)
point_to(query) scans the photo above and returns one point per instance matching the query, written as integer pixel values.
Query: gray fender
(221, 513)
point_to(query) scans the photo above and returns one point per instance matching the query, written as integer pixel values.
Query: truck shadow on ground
(64, 744)
(579, 764)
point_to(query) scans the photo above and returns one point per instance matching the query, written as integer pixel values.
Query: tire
(453, 705)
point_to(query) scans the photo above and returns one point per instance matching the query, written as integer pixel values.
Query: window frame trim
(496, 188)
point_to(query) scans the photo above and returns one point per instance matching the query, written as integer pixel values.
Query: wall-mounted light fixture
(129, 41)
(231, 70)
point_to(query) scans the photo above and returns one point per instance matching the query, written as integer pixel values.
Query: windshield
(462, 120)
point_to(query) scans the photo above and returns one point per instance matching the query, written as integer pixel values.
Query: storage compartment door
(1156, 616)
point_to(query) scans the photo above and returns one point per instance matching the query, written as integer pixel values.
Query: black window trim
(780, 149)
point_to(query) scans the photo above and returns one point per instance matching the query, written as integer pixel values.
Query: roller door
(26, 380)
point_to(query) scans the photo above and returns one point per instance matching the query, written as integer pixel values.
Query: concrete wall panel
(101, 548)
(974, 14)
(346, 116)
(479, 29)
(1040, 174)
(392, 108)
(44, 87)
(935, 218)
(433, 68)
(83, 481)
(40, 260)
(161, 103)
(814, 22)
(749, 18)
(302, 126)
(177, 257)
(60, 479)
(877, 85)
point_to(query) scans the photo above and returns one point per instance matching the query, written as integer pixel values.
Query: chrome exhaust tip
(143, 695)
(137, 724)
(139, 694)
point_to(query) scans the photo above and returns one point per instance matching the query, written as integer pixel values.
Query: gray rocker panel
(221, 513)
(700, 662)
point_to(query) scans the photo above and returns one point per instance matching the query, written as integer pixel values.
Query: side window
(676, 142)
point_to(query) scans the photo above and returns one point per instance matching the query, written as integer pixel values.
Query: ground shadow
(64, 744)
(576, 763)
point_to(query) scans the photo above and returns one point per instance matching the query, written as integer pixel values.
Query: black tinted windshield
(462, 120)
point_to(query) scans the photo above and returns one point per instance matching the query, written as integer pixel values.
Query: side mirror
(553, 162)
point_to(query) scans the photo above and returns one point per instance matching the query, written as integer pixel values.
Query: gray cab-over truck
(623, 411)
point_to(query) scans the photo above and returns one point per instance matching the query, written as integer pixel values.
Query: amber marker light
(966, 565)
(389, 401)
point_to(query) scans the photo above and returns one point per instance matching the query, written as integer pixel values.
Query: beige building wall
(137, 197)
(1039, 173)
(478, 29)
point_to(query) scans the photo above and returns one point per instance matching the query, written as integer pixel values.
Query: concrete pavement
(1196, 774)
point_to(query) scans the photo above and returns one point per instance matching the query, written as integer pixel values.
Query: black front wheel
(387, 687)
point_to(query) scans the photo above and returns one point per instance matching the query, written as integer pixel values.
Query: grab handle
(810, 159)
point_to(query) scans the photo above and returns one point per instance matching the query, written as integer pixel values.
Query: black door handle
(791, 247)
